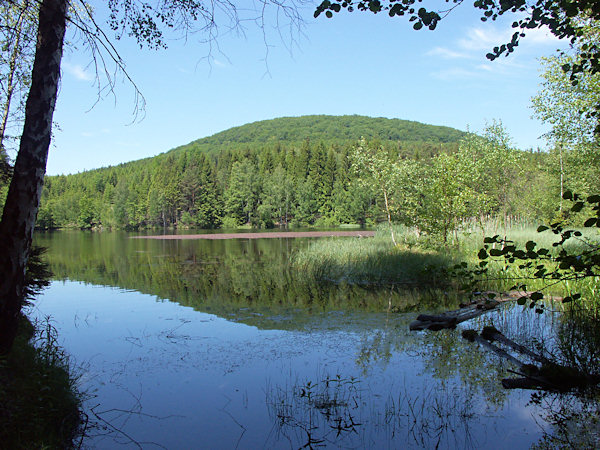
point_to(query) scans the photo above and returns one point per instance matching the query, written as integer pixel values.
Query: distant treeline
(264, 175)
(261, 185)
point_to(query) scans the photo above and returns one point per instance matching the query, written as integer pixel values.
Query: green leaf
(593, 199)
(590, 222)
(568, 195)
(482, 254)
(567, 299)
(577, 207)
(536, 296)
(495, 252)
(530, 245)
(542, 228)
(522, 300)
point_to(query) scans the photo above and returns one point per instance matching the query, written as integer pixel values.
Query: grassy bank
(39, 402)
(375, 261)
(419, 262)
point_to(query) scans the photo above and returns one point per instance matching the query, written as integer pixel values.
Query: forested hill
(327, 129)
(292, 170)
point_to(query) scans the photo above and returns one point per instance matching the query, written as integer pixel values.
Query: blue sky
(355, 63)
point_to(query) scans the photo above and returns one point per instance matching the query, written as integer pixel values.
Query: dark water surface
(217, 344)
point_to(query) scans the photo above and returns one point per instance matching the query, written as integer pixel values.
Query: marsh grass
(419, 262)
(39, 401)
(374, 261)
(503, 277)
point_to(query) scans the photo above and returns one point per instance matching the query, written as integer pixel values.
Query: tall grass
(39, 401)
(374, 261)
(420, 261)
(503, 276)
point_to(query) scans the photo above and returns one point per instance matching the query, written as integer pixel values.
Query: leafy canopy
(564, 105)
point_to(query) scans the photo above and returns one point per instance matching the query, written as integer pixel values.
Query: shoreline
(264, 235)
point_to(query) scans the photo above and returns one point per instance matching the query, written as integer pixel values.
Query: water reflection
(246, 280)
(216, 344)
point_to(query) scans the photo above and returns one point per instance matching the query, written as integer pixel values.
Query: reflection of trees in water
(244, 280)
(578, 338)
(375, 347)
(572, 420)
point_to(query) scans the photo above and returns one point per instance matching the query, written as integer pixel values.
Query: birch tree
(17, 47)
(393, 178)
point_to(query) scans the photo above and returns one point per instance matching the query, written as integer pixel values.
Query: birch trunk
(389, 216)
(10, 85)
(20, 209)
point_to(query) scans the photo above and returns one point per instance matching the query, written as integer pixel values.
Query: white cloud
(541, 36)
(446, 53)
(77, 71)
(483, 39)
(455, 73)
(480, 40)
(476, 42)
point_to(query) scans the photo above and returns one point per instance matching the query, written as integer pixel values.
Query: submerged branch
(549, 376)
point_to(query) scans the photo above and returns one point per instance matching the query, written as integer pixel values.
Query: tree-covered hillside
(313, 170)
(293, 170)
(328, 129)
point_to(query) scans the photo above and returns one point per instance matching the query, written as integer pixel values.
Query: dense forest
(318, 171)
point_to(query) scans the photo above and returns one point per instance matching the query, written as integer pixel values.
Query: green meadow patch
(420, 262)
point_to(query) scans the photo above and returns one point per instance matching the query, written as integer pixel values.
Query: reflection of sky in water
(194, 380)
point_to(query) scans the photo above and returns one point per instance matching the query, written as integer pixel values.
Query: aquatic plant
(343, 412)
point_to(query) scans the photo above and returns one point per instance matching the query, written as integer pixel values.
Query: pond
(219, 344)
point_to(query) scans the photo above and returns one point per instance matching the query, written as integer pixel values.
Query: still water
(218, 344)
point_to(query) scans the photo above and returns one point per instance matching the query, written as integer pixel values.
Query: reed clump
(420, 261)
(375, 261)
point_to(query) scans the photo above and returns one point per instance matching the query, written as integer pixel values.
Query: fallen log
(473, 336)
(520, 383)
(485, 301)
(492, 334)
(449, 319)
